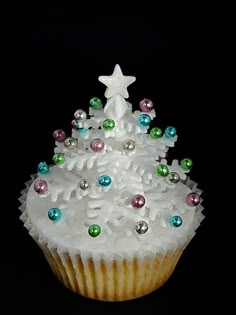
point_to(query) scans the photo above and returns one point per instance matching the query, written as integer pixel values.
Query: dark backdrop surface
(50, 64)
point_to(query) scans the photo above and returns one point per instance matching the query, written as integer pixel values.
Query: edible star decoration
(116, 83)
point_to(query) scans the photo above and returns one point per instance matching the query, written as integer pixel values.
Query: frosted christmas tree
(115, 166)
(112, 217)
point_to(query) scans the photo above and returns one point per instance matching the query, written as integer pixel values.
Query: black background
(50, 63)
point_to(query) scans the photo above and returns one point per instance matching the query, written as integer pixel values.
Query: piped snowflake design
(131, 172)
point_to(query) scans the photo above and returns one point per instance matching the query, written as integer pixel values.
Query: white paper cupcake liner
(116, 280)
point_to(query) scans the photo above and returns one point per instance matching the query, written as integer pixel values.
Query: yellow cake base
(114, 281)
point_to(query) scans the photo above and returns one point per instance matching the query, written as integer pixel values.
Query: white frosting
(110, 207)
(116, 107)
(117, 220)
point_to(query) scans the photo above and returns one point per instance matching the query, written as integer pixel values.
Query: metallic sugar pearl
(138, 201)
(144, 120)
(173, 178)
(58, 158)
(104, 180)
(186, 164)
(176, 221)
(170, 132)
(43, 168)
(80, 115)
(59, 135)
(94, 230)
(192, 199)
(108, 124)
(41, 186)
(162, 170)
(84, 184)
(129, 145)
(74, 124)
(156, 133)
(141, 227)
(146, 105)
(54, 214)
(96, 103)
(97, 145)
(71, 143)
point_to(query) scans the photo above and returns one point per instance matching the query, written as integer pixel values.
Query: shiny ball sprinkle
(129, 145)
(58, 158)
(186, 164)
(84, 184)
(71, 143)
(96, 103)
(144, 120)
(192, 199)
(108, 124)
(176, 221)
(41, 186)
(43, 168)
(173, 178)
(162, 170)
(156, 133)
(97, 145)
(83, 130)
(141, 227)
(80, 115)
(104, 180)
(94, 230)
(170, 132)
(54, 214)
(138, 201)
(59, 135)
(74, 124)
(146, 105)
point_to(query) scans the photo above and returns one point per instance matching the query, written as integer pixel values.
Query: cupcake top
(111, 190)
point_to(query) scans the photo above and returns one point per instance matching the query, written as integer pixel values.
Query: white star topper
(116, 83)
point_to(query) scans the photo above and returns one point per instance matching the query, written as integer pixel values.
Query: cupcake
(112, 216)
